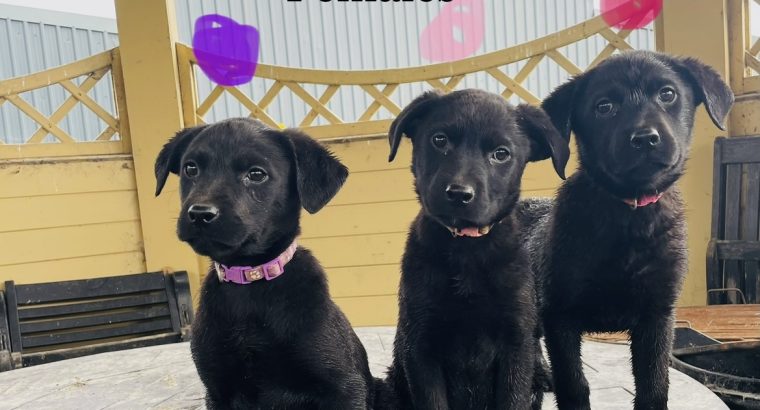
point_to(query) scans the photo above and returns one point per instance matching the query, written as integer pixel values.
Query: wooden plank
(206, 105)
(93, 148)
(52, 211)
(171, 294)
(349, 130)
(323, 99)
(61, 338)
(70, 242)
(255, 111)
(96, 320)
(89, 288)
(714, 272)
(359, 250)
(5, 334)
(41, 120)
(13, 316)
(78, 267)
(370, 280)
(87, 101)
(499, 58)
(42, 79)
(359, 219)
(719, 178)
(67, 177)
(48, 356)
(379, 186)
(370, 310)
(751, 230)
(371, 155)
(723, 322)
(735, 250)
(121, 101)
(70, 102)
(307, 98)
(732, 277)
(184, 297)
(131, 301)
(741, 150)
(387, 91)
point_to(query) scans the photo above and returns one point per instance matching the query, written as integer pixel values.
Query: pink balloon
(630, 14)
(457, 32)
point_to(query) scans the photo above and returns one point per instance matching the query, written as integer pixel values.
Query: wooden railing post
(147, 36)
(697, 28)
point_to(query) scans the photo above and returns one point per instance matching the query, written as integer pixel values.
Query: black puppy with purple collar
(266, 335)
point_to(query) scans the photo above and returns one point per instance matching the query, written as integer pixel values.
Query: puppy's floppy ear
(319, 175)
(169, 158)
(709, 87)
(405, 122)
(559, 106)
(545, 141)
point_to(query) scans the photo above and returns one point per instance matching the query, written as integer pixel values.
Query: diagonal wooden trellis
(380, 85)
(94, 69)
(743, 48)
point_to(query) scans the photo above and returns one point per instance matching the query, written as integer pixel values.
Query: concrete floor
(163, 377)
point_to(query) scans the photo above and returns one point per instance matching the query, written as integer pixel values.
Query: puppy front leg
(515, 377)
(563, 342)
(427, 385)
(651, 342)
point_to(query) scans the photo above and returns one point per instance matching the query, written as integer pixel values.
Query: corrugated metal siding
(34, 40)
(334, 35)
(375, 35)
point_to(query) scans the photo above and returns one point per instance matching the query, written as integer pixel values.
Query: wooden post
(697, 28)
(147, 37)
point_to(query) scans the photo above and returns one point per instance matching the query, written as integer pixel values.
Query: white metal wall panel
(33, 40)
(376, 35)
(310, 33)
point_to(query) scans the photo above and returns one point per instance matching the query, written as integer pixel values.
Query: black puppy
(267, 335)
(610, 251)
(467, 303)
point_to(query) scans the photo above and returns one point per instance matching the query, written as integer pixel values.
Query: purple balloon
(226, 50)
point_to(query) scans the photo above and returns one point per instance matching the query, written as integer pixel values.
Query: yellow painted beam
(147, 36)
(697, 28)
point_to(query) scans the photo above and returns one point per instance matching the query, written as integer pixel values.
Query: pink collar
(243, 275)
(643, 200)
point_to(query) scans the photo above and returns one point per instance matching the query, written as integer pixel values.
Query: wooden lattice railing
(114, 139)
(380, 85)
(745, 49)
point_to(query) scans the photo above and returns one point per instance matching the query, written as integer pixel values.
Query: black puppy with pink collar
(467, 311)
(610, 251)
(266, 334)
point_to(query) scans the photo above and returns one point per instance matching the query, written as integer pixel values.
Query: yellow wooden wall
(359, 237)
(67, 219)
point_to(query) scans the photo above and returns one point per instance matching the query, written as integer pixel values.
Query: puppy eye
(257, 175)
(190, 169)
(667, 94)
(604, 107)
(439, 140)
(500, 155)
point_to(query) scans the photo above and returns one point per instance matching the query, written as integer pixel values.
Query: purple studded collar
(243, 275)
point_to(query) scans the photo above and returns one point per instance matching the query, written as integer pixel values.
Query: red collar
(643, 200)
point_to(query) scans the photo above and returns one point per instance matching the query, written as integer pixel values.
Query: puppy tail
(385, 396)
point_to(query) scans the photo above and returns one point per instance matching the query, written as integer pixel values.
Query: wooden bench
(6, 362)
(60, 320)
(734, 250)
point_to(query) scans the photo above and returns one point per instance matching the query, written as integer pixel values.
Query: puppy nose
(200, 214)
(460, 193)
(645, 138)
